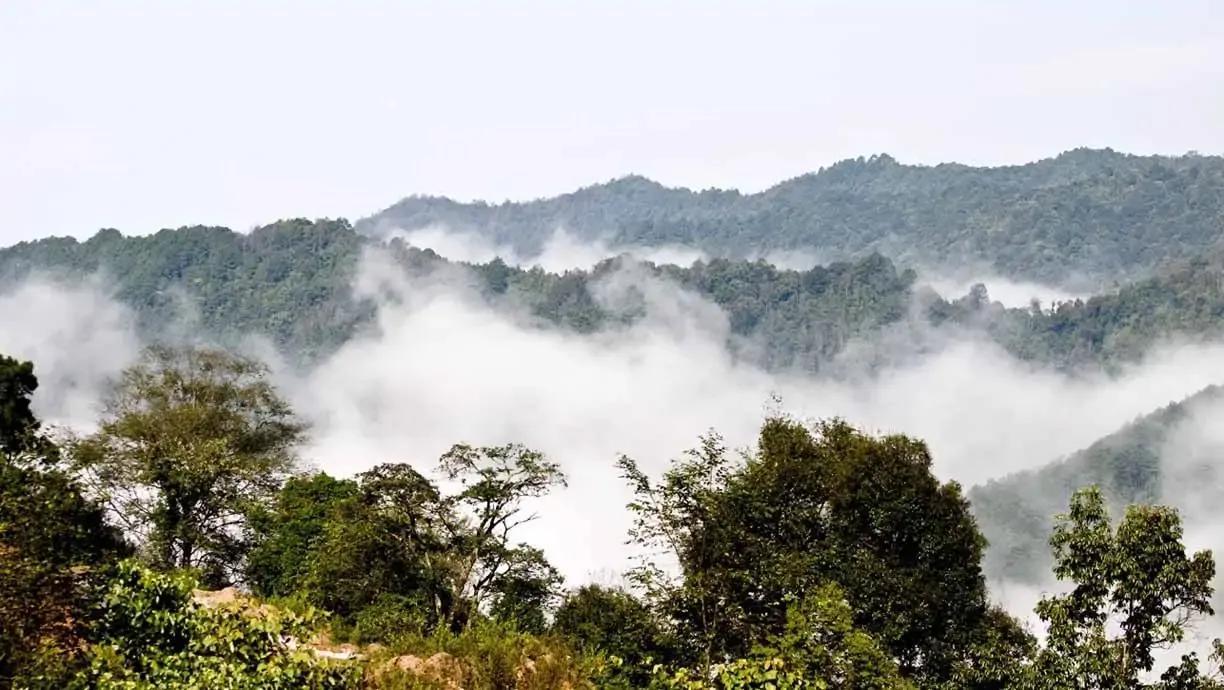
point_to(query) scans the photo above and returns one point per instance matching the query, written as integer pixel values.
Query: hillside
(291, 281)
(1016, 513)
(1086, 216)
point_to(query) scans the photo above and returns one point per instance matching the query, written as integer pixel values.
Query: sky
(141, 115)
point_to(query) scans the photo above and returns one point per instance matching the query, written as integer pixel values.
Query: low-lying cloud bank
(443, 366)
(78, 337)
(1007, 292)
(561, 252)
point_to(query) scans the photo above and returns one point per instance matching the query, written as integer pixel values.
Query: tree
(495, 484)
(51, 537)
(390, 539)
(190, 439)
(669, 519)
(18, 425)
(391, 545)
(526, 591)
(613, 622)
(284, 536)
(809, 508)
(818, 648)
(1136, 579)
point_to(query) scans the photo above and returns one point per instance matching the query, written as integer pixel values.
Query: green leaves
(813, 507)
(191, 440)
(1136, 579)
(149, 633)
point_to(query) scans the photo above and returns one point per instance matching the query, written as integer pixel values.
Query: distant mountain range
(292, 282)
(1086, 218)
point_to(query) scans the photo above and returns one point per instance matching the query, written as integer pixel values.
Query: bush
(391, 618)
(149, 633)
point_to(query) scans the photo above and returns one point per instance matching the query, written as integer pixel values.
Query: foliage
(292, 281)
(1137, 579)
(1100, 214)
(811, 507)
(390, 539)
(612, 622)
(18, 425)
(496, 482)
(526, 590)
(190, 440)
(391, 547)
(150, 634)
(51, 537)
(284, 535)
(819, 648)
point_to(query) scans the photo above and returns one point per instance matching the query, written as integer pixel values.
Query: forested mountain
(1016, 513)
(1092, 216)
(291, 281)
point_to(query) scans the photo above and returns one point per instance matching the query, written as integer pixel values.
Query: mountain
(291, 281)
(1086, 217)
(1140, 463)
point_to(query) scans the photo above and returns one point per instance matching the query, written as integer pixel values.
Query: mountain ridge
(1086, 216)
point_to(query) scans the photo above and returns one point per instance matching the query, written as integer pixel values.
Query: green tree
(818, 648)
(51, 537)
(1136, 580)
(284, 535)
(809, 508)
(390, 546)
(526, 591)
(18, 425)
(496, 483)
(390, 539)
(613, 622)
(190, 439)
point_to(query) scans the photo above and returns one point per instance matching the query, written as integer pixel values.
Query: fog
(442, 365)
(77, 336)
(1009, 293)
(561, 251)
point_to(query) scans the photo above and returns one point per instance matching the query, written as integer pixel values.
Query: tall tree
(51, 536)
(497, 482)
(389, 539)
(284, 535)
(190, 437)
(1136, 580)
(526, 591)
(814, 506)
(18, 426)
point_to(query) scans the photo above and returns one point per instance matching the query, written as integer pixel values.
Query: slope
(1083, 217)
(1135, 464)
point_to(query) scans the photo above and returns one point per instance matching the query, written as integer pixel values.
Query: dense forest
(824, 558)
(292, 281)
(1086, 217)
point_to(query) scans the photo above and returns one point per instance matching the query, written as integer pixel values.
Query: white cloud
(78, 338)
(561, 252)
(445, 367)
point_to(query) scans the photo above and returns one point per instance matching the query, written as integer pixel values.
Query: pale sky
(142, 115)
